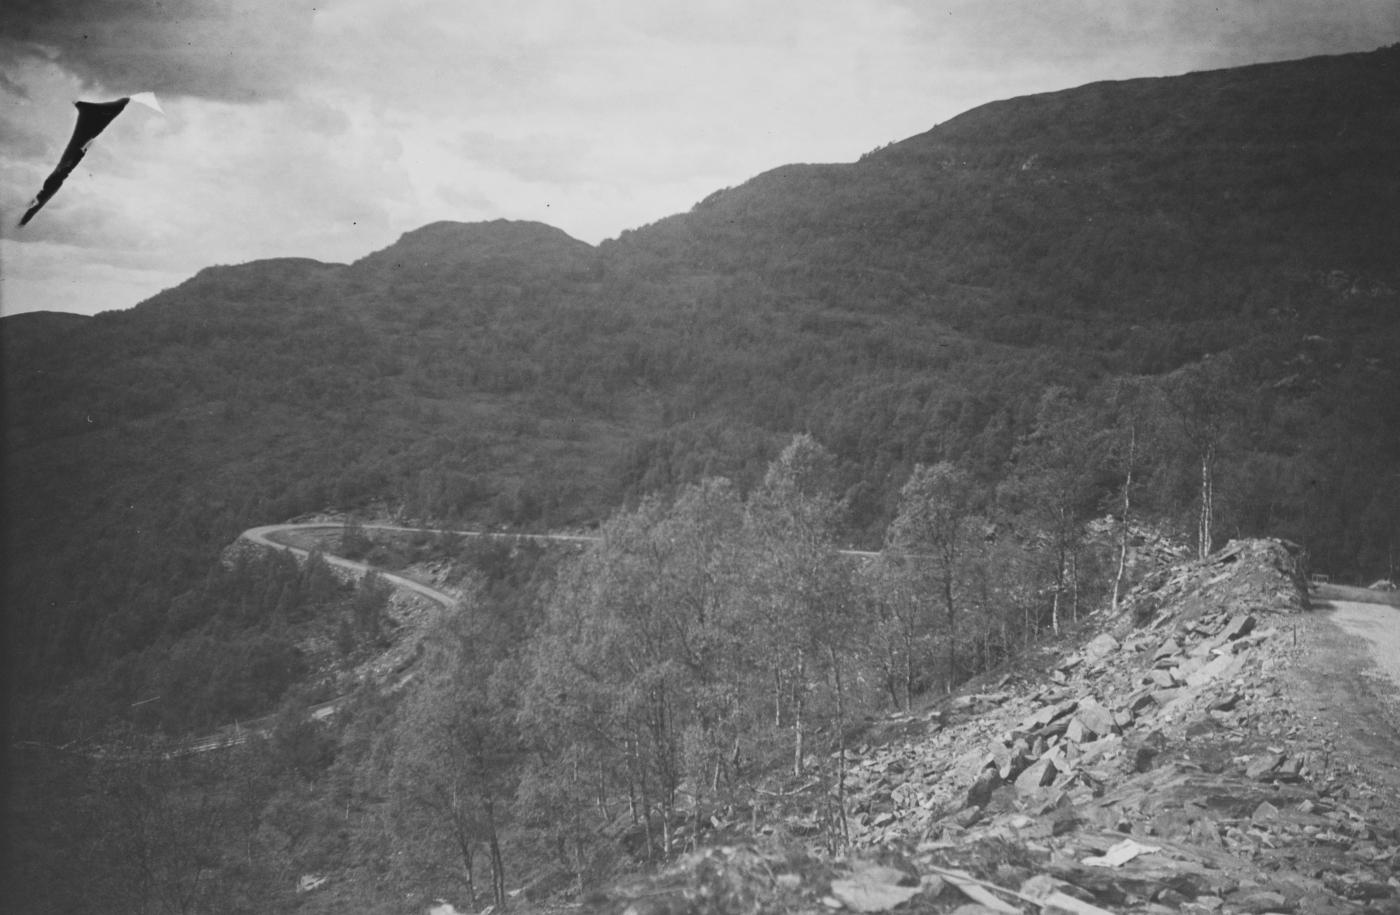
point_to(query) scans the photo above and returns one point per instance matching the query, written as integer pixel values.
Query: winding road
(273, 537)
(266, 536)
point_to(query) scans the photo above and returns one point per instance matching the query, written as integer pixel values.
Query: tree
(355, 542)
(1133, 409)
(1203, 403)
(1052, 486)
(900, 632)
(632, 673)
(606, 683)
(932, 536)
(164, 830)
(664, 643)
(790, 525)
(369, 607)
(453, 773)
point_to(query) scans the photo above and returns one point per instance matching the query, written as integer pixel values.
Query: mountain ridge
(1129, 105)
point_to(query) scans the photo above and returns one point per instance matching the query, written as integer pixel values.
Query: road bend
(270, 537)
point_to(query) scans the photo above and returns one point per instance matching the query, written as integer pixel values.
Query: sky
(329, 130)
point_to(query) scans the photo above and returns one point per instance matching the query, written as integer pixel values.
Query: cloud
(1252, 30)
(20, 141)
(11, 88)
(537, 157)
(55, 277)
(232, 50)
(325, 131)
(1180, 34)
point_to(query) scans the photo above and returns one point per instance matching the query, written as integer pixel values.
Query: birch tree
(790, 526)
(1203, 404)
(1053, 487)
(455, 754)
(635, 669)
(1135, 411)
(931, 536)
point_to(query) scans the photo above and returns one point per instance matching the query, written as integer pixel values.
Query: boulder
(1220, 666)
(1240, 624)
(1078, 732)
(1102, 646)
(1098, 719)
(1260, 767)
(980, 794)
(1038, 775)
(1162, 679)
(1039, 720)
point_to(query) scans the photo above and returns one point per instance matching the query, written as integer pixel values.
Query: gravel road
(1379, 626)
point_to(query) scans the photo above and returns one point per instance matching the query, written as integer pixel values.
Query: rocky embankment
(1164, 765)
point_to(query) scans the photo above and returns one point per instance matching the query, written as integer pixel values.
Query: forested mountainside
(1179, 296)
(1236, 227)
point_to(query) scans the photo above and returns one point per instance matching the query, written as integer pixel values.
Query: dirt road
(1343, 688)
(1379, 626)
(266, 537)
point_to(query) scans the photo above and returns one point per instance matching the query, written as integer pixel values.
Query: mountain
(448, 251)
(1200, 196)
(1232, 230)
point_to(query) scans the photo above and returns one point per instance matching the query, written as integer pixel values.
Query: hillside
(1224, 743)
(1175, 761)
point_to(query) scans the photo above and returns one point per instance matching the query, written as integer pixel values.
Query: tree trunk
(603, 793)
(1124, 519)
(952, 676)
(632, 803)
(499, 868)
(908, 669)
(498, 873)
(646, 820)
(844, 834)
(777, 699)
(462, 833)
(799, 703)
(1203, 531)
(1074, 585)
(465, 849)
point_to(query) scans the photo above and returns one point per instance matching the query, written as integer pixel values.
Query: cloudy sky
(328, 130)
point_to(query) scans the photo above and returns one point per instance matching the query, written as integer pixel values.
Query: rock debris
(1155, 768)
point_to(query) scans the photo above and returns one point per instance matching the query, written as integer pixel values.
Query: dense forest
(1167, 304)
